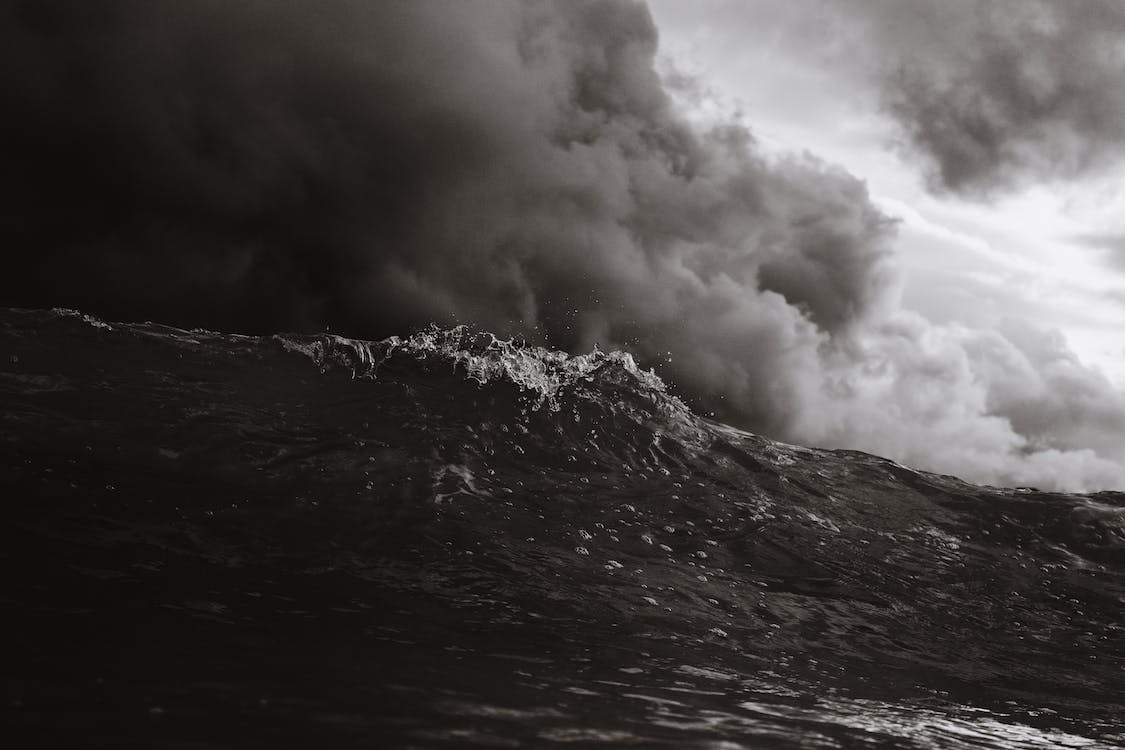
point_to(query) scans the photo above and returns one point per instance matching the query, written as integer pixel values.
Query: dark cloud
(282, 164)
(374, 166)
(997, 94)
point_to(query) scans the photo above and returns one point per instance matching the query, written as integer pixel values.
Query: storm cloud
(375, 167)
(1001, 94)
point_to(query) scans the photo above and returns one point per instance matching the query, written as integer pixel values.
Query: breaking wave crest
(545, 374)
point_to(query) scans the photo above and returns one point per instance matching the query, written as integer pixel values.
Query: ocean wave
(484, 358)
(463, 478)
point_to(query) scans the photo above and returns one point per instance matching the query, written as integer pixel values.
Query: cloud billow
(374, 167)
(998, 95)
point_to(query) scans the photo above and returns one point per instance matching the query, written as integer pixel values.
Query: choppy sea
(451, 540)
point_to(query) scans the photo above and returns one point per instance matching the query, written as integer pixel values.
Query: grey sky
(990, 130)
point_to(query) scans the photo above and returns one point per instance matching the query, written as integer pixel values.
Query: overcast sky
(993, 131)
(1046, 246)
(873, 224)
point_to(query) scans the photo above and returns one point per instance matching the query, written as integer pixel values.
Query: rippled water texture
(448, 540)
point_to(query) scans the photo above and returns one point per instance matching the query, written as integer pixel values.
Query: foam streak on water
(449, 540)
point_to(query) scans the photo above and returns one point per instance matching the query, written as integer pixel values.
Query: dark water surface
(216, 541)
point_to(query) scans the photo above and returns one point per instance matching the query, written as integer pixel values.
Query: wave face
(452, 540)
